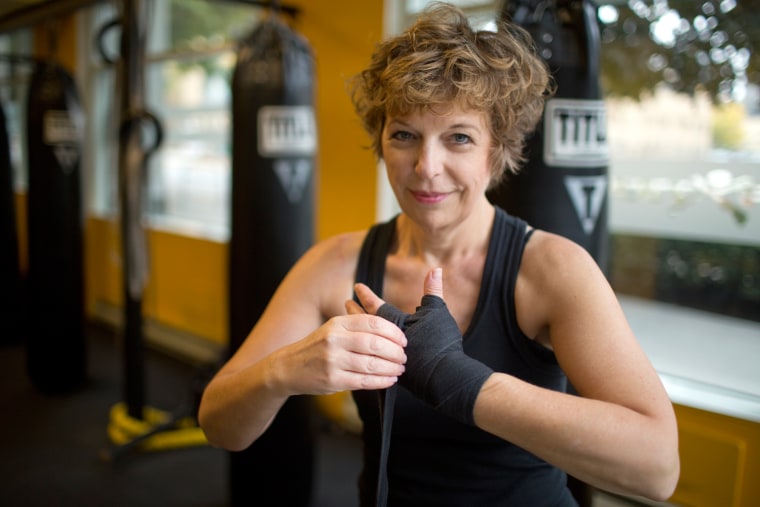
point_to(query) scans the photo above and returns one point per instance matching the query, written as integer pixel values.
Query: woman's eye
(461, 138)
(401, 135)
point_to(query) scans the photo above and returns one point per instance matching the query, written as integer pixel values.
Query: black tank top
(435, 460)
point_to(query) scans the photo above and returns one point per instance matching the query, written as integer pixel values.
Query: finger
(371, 325)
(362, 381)
(389, 364)
(369, 300)
(434, 283)
(385, 355)
(353, 308)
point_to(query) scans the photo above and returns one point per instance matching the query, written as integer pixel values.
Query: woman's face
(438, 164)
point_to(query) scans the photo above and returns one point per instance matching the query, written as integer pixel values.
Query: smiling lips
(428, 197)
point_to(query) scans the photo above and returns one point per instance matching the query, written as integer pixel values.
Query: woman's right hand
(305, 342)
(346, 353)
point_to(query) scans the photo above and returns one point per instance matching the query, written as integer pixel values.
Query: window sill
(705, 360)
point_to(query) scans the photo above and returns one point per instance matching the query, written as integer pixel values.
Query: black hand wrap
(437, 369)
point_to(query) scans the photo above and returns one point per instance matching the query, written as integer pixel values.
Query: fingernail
(437, 274)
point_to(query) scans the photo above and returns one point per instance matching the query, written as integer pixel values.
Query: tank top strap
(508, 239)
(370, 268)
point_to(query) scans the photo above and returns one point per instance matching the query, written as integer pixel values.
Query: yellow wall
(343, 39)
(187, 289)
(720, 460)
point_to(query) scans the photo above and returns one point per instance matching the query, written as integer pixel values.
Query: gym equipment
(55, 339)
(563, 186)
(133, 425)
(274, 142)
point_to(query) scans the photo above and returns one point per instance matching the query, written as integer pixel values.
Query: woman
(482, 416)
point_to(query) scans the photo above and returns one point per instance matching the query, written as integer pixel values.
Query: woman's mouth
(428, 197)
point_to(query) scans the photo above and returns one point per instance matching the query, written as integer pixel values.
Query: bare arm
(304, 343)
(620, 434)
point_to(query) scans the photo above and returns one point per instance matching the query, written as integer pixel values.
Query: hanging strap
(370, 270)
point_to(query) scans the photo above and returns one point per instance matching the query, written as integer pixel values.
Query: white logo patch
(587, 194)
(286, 130)
(575, 133)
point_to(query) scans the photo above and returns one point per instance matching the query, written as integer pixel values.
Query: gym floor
(51, 444)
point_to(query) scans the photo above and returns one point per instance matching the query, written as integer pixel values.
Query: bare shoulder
(324, 275)
(556, 276)
(550, 258)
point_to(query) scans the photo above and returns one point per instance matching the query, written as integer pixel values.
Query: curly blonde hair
(442, 60)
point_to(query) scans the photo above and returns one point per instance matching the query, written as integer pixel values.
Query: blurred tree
(728, 126)
(691, 45)
(210, 22)
(205, 26)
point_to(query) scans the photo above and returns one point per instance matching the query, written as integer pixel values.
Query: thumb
(368, 299)
(434, 283)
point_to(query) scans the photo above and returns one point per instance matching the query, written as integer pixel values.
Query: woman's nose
(428, 160)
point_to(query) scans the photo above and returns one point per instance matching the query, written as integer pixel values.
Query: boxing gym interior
(138, 248)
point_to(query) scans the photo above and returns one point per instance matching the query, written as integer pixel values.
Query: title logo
(575, 133)
(286, 130)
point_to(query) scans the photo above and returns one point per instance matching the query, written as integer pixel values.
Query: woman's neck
(444, 245)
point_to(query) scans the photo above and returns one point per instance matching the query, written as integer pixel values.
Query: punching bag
(274, 144)
(55, 340)
(563, 186)
(10, 274)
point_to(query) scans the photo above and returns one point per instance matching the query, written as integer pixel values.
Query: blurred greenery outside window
(682, 83)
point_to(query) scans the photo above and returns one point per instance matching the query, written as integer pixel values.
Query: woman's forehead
(451, 113)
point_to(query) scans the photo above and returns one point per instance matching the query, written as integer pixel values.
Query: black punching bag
(10, 274)
(563, 186)
(274, 142)
(56, 348)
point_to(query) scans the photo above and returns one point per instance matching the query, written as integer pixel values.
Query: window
(190, 58)
(15, 71)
